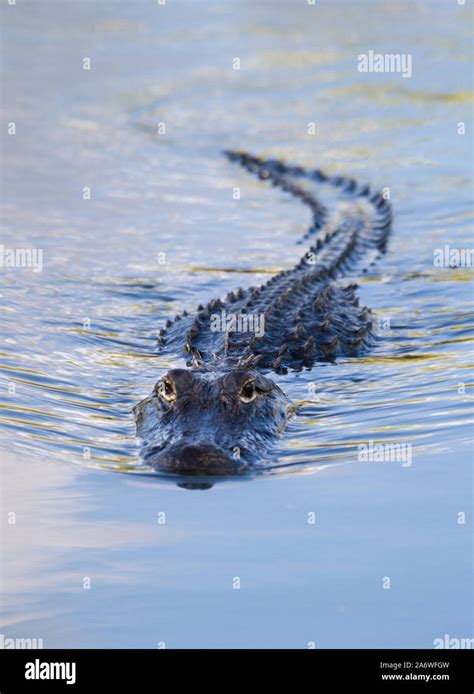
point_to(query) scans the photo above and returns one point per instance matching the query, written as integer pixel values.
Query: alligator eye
(167, 390)
(248, 392)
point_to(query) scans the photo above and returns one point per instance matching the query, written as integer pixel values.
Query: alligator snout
(210, 421)
(200, 458)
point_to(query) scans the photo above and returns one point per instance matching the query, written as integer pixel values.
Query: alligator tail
(349, 235)
(307, 315)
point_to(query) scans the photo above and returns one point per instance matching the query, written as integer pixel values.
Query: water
(79, 337)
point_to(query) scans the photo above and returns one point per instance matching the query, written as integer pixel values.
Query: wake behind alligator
(224, 413)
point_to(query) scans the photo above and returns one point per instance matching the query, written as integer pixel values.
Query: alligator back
(303, 314)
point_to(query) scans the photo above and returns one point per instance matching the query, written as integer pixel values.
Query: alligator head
(210, 422)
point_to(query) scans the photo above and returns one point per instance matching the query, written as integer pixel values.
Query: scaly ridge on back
(307, 314)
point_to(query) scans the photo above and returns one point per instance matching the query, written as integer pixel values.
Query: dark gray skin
(210, 422)
(222, 414)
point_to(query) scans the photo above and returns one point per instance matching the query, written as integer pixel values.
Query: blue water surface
(116, 173)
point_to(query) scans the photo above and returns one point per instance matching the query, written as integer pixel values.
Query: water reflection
(78, 348)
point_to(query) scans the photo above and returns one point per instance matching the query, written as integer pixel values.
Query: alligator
(222, 414)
